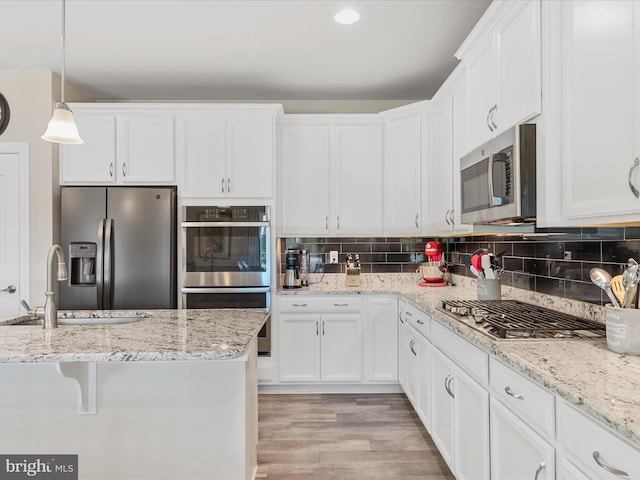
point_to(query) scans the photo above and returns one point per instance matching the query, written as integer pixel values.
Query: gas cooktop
(514, 320)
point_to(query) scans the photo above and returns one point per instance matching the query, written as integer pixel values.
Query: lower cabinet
(516, 450)
(381, 339)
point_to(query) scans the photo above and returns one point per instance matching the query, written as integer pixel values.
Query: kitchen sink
(82, 321)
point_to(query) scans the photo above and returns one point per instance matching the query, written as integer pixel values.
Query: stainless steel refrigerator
(120, 247)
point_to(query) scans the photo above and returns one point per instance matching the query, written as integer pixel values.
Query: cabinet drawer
(319, 303)
(418, 320)
(524, 397)
(582, 436)
(470, 358)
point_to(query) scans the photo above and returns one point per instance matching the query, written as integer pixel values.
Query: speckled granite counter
(604, 384)
(162, 335)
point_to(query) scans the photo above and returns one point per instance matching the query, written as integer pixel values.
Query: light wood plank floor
(344, 437)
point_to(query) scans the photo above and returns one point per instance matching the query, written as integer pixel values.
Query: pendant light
(61, 127)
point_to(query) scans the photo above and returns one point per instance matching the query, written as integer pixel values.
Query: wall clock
(4, 114)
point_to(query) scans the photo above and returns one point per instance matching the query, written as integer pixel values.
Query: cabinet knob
(633, 188)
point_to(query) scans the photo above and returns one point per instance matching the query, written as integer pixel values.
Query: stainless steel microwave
(498, 179)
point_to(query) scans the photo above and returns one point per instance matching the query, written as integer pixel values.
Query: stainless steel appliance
(498, 179)
(292, 271)
(226, 260)
(120, 243)
(514, 320)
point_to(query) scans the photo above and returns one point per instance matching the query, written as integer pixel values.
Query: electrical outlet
(333, 256)
(567, 254)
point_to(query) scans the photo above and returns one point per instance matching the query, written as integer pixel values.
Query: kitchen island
(172, 395)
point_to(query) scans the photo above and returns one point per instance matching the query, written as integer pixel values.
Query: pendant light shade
(62, 128)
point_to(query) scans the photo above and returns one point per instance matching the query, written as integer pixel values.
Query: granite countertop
(220, 334)
(603, 384)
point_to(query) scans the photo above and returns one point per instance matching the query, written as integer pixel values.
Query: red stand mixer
(431, 270)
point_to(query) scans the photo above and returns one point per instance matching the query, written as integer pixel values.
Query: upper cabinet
(119, 147)
(331, 175)
(601, 111)
(503, 71)
(226, 153)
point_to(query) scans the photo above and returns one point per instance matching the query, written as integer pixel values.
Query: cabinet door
(146, 149)
(402, 346)
(299, 346)
(357, 180)
(519, 62)
(305, 179)
(341, 353)
(471, 427)
(442, 181)
(568, 471)
(460, 148)
(410, 351)
(516, 450)
(381, 340)
(250, 154)
(94, 161)
(201, 155)
(442, 405)
(480, 92)
(402, 176)
(423, 387)
(599, 89)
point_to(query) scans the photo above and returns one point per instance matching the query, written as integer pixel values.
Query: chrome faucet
(49, 313)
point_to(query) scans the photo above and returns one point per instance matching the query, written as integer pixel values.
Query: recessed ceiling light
(347, 16)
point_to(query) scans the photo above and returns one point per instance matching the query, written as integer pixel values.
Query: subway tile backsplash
(551, 261)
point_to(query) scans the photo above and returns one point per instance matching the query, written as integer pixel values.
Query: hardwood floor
(344, 437)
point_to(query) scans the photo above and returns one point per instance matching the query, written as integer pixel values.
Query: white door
(341, 351)
(14, 224)
(443, 167)
(441, 405)
(299, 347)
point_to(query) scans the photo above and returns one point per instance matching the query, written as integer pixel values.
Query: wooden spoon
(618, 288)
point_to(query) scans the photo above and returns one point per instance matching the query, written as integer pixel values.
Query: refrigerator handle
(108, 262)
(99, 265)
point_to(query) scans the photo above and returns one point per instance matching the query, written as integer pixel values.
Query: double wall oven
(226, 260)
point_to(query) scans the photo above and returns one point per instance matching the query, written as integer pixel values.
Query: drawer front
(319, 303)
(470, 358)
(582, 436)
(418, 320)
(524, 397)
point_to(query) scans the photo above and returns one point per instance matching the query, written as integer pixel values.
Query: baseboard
(330, 388)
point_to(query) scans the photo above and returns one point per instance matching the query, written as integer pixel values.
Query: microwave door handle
(490, 179)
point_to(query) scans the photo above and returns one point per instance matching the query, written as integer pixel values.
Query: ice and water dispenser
(82, 256)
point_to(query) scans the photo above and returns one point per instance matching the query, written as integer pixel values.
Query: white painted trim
(22, 150)
(288, 388)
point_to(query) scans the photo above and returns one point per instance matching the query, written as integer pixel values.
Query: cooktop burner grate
(514, 319)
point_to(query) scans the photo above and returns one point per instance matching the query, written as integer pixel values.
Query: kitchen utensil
(630, 279)
(618, 288)
(475, 271)
(487, 268)
(602, 279)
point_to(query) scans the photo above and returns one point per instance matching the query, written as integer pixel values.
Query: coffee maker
(292, 271)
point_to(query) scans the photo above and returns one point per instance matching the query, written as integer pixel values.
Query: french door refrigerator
(120, 247)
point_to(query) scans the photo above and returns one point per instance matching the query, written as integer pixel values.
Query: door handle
(633, 188)
(453, 222)
(493, 110)
(488, 115)
(411, 344)
(9, 289)
(222, 186)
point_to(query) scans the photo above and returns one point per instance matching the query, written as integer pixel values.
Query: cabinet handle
(299, 304)
(409, 314)
(111, 169)
(326, 222)
(338, 221)
(493, 110)
(447, 384)
(340, 304)
(400, 316)
(124, 169)
(419, 322)
(514, 395)
(541, 466)
(614, 471)
(488, 115)
(9, 289)
(453, 222)
(317, 328)
(633, 188)
(446, 217)
(322, 327)
(411, 344)
(417, 216)
(222, 186)
(228, 185)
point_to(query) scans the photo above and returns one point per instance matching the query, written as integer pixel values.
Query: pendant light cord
(63, 48)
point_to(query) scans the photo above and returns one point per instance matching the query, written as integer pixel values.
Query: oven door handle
(225, 224)
(225, 290)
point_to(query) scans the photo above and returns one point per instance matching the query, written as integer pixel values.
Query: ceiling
(253, 50)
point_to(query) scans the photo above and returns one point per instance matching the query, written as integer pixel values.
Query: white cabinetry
(459, 404)
(503, 71)
(331, 176)
(402, 174)
(320, 339)
(225, 153)
(601, 110)
(591, 449)
(133, 146)
(381, 339)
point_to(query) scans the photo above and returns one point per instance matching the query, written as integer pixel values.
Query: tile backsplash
(550, 261)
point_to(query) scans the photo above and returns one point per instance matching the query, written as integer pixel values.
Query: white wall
(31, 96)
